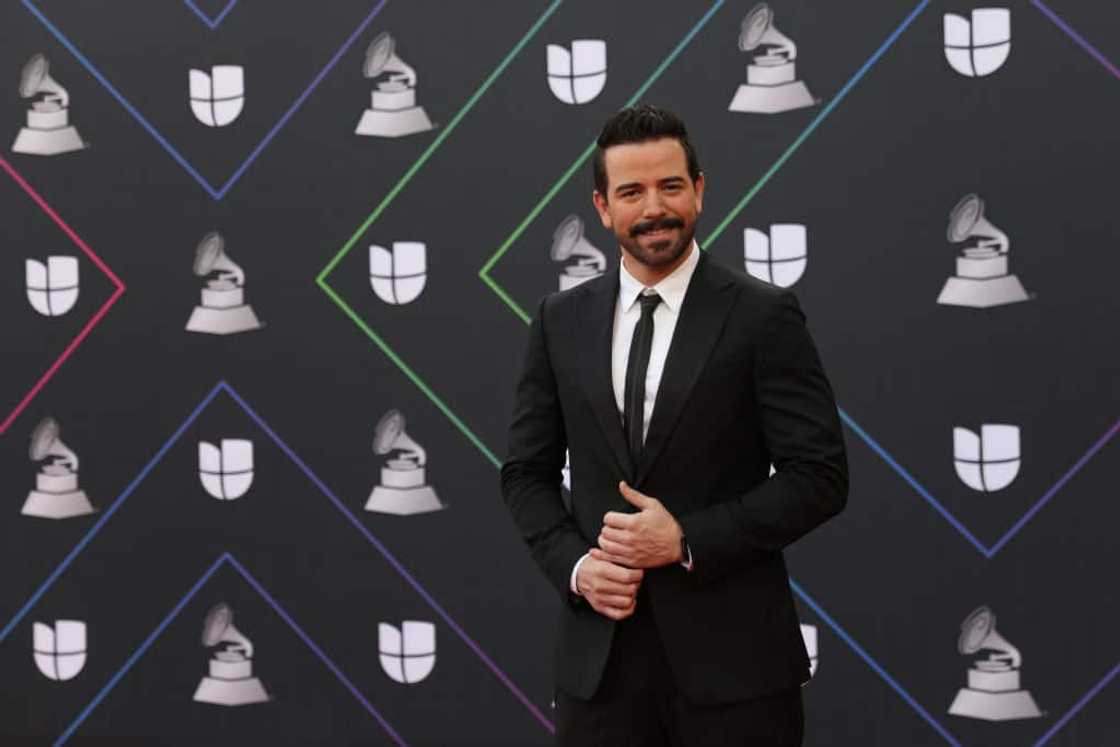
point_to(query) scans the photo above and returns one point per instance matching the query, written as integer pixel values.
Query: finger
(619, 520)
(616, 613)
(622, 575)
(617, 535)
(616, 588)
(606, 557)
(616, 549)
(635, 497)
(599, 554)
(618, 601)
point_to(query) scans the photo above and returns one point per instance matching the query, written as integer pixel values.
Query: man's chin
(656, 254)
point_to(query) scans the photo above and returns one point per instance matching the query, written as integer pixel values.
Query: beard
(662, 252)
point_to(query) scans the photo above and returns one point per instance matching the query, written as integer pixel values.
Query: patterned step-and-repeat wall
(266, 273)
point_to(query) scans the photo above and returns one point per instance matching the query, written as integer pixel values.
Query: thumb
(632, 496)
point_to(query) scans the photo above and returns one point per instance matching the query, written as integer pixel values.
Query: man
(674, 383)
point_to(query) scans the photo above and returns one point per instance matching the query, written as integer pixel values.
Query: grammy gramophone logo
(994, 692)
(48, 131)
(56, 494)
(772, 85)
(230, 680)
(222, 309)
(393, 110)
(578, 257)
(983, 278)
(403, 489)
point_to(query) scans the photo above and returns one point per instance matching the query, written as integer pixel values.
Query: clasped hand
(628, 543)
(649, 538)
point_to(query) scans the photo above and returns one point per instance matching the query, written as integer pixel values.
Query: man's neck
(651, 276)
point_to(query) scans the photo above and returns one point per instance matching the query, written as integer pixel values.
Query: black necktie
(634, 395)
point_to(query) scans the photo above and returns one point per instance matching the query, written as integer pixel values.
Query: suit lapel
(598, 320)
(706, 304)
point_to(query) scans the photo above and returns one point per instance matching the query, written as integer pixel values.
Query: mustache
(653, 225)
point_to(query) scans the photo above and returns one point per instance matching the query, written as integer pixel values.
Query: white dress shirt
(627, 312)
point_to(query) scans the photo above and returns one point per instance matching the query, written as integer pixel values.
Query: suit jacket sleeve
(802, 432)
(532, 473)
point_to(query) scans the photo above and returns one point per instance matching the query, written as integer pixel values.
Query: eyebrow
(665, 181)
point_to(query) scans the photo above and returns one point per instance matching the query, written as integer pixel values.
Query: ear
(698, 186)
(602, 208)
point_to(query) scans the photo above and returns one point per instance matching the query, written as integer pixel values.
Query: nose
(652, 207)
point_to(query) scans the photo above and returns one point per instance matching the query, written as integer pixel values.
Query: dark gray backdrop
(872, 171)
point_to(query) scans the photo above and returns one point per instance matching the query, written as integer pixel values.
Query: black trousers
(637, 704)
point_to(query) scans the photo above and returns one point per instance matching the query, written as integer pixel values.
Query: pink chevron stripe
(70, 348)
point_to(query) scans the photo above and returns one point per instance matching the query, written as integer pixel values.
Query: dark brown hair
(637, 124)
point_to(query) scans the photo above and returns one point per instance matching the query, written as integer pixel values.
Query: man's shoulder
(754, 288)
(755, 299)
(568, 301)
(756, 293)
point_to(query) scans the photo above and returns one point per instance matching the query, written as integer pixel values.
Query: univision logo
(217, 97)
(809, 638)
(978, 46)
(408, 654)
(60, 651)
(52, 288)
(227, 471)
(779, 257)
(398, 276)
(577, 76)
(990, 461)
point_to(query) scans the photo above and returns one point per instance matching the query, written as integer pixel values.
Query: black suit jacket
(742, 388)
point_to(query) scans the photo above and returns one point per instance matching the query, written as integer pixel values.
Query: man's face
(651, 203)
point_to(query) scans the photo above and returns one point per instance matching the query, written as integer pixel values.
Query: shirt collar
(671, 288)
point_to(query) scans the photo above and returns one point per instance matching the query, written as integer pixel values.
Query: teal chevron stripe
(484, 273)
(362, 325)
(828, 109)
(341, 254)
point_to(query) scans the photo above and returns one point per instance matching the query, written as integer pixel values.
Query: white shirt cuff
(575, 570)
